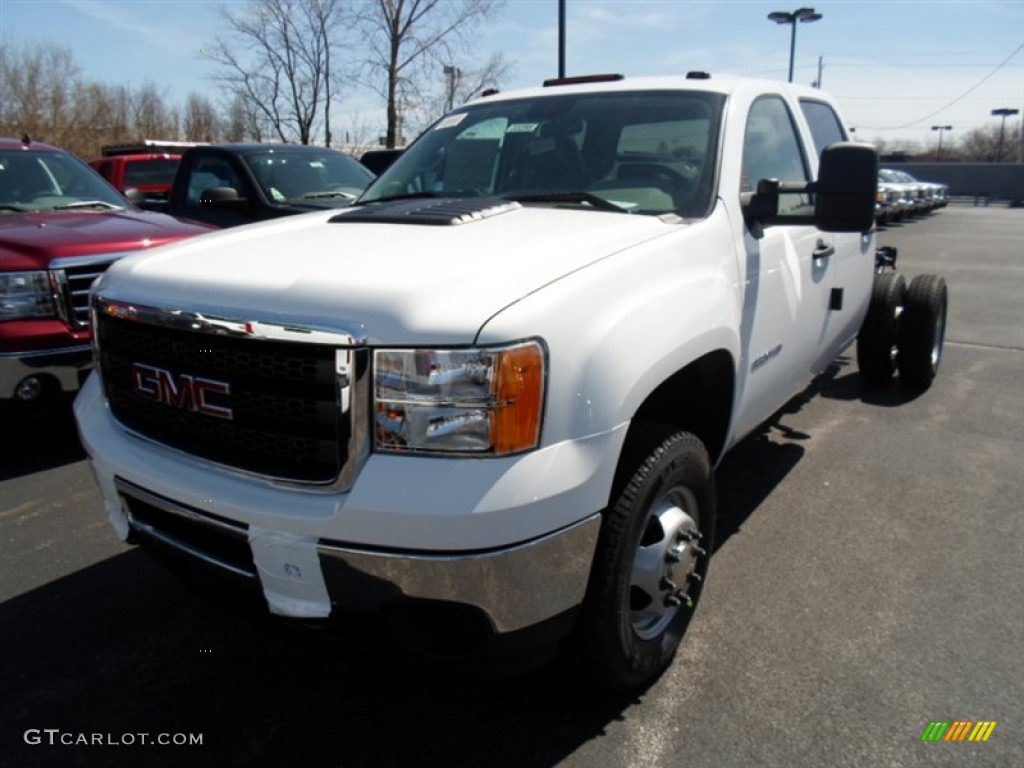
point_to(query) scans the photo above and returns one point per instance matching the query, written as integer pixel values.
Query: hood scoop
(445, 211)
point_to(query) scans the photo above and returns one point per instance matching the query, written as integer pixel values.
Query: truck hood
(403, 283)
(31, 240)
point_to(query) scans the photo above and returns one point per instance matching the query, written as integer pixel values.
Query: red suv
(61, 226)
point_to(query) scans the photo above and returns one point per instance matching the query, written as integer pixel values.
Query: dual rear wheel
(904, 330)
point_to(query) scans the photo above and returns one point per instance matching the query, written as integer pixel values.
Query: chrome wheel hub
(665, 563)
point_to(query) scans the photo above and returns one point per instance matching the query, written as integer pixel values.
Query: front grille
(285, 420)
(73, 284)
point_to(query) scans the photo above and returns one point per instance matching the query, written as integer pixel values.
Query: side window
(823, 122)
(772, 150)
(209, 172)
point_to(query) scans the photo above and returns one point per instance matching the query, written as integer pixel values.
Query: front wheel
(650, 563)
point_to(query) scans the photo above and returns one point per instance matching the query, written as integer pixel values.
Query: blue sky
(897, 66)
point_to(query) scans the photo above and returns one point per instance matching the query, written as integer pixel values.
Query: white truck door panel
(789, 272)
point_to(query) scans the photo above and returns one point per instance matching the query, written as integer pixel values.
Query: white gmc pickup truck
(477, 413)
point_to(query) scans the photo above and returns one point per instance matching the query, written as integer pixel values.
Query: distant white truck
(478, 412)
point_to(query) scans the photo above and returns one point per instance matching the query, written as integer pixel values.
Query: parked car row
(901, 196)
(63, 223)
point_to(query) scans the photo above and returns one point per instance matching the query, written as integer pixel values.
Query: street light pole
(454, 73)
(941, 129)
(561, 38)
(802, 15)
(1004, 113)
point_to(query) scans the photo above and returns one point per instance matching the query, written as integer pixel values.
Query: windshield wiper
(317, 195)
(88, 204)
(568, 197)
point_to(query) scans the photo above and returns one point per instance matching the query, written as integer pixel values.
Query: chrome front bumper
(514, 587)
(62, 365)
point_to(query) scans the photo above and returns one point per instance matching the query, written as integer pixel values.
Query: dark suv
(232, 184)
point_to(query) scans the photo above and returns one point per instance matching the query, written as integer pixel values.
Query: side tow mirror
(134, 196)
(222, 197)
(846, 188)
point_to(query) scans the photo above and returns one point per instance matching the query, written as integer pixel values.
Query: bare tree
(982, 144)
(151, 117)
(104, 116)
(407, 38)
(45, 97)
(200, 122)
(38, 84)
(277, 56)
(460, 84)
(236, 119)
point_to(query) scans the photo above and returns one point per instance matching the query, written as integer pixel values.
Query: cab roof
(692, 81)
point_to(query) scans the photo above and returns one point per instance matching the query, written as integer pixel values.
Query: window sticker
(522, 128)
(450, 122)
(627, 204)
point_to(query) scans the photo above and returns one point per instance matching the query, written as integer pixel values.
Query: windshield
(308, 176)
(895, 177)
(650, 152)
(45, 180)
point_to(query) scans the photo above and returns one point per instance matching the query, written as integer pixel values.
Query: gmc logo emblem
(186, 392)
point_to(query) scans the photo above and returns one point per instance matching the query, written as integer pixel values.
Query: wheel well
(696, 399)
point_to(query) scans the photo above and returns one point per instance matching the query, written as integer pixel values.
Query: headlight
(483, 401)
(25, 295)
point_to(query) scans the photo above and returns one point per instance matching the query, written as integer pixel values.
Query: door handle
(823, 250)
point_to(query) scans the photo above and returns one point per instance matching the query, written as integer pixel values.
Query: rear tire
(922, 331)
(878, 340)
(651, 559)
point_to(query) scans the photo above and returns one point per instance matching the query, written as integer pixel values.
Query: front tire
(922, 331)
(651, 559)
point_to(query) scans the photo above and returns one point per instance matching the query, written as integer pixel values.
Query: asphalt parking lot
(869, 579)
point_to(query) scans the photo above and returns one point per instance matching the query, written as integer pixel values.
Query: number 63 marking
(292, 570)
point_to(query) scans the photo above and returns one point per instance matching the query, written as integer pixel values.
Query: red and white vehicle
(61, 226)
